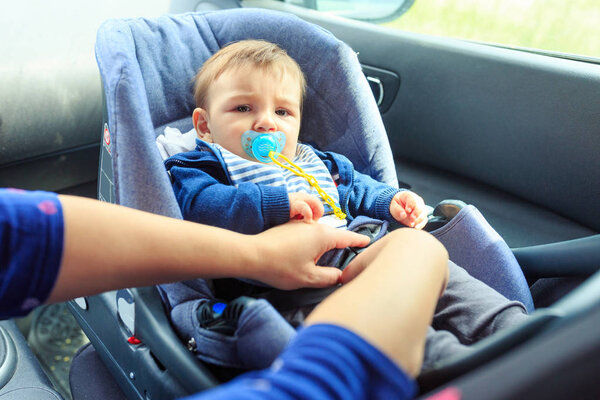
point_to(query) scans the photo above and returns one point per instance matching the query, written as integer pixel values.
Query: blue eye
(242, 108)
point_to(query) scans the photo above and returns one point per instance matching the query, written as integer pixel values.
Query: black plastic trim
(8, 364)
(578, 257)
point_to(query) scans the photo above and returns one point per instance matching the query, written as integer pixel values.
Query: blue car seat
(146, 68)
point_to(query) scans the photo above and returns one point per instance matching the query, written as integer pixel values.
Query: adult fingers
(339, 239)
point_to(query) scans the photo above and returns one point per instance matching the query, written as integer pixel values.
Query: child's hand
(305, 206)
(408, 208)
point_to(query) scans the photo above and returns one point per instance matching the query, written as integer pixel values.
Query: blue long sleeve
(370, 197)
(31, 237)
(205, 197)
(322, 362)
(359, 193)
(206, 194)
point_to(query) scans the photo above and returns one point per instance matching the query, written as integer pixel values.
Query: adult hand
(285, 256)
(408, 208)
(305, 207)
(146, 249)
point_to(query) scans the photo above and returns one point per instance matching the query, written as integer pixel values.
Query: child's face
(250, 98)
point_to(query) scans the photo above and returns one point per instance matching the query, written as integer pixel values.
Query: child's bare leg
(392, 302)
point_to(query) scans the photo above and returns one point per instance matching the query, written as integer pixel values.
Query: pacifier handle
(262, 146)
(259, 145)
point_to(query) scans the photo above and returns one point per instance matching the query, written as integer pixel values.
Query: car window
(556, 27)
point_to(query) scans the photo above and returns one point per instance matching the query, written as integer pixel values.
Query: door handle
(384, 85)
(376, 88)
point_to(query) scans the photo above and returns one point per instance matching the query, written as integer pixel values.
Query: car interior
(511, 132)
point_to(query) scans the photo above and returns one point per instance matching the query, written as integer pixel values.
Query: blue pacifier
(258, 145)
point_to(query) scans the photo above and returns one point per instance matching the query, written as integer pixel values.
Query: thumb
(324, 277)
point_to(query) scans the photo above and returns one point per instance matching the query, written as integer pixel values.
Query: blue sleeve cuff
(31, 233)
(322, 362)
(275, 205)
(355, 363)
(382, 205)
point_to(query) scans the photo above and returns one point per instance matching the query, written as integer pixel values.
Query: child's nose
(264, 123)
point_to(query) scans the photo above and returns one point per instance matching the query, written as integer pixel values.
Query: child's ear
(200, 119)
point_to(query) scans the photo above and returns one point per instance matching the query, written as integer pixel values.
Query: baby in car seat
(249, 173)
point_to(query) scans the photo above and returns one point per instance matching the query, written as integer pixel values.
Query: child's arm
(366, 196)
(408, 208)
(379, 200)
(248, 208)
(359, 193)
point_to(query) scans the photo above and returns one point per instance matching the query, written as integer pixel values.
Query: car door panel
(72, 171)
(512, 132)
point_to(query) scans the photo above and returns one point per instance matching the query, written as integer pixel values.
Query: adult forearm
(108, 247)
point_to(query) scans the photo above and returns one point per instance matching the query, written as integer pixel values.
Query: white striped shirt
(242, 170)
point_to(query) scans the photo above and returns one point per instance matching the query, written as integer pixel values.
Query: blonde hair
(258, 53)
